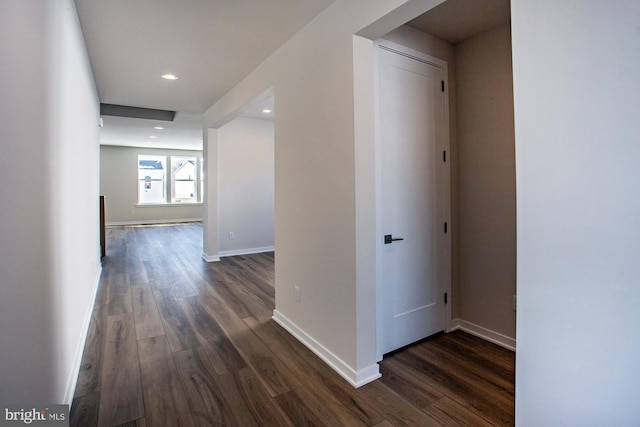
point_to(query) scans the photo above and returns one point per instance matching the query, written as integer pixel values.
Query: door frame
(445, 212)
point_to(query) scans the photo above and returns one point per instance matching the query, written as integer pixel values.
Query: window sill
(166, 205)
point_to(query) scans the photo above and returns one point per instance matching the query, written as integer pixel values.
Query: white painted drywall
(210, 201)
(49, 227)
(577, 98)
(487, 181)
(119, 186)
(245, 185)
(315, 179)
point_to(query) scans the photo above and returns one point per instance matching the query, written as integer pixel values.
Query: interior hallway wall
(486, 182)
(577, 98)
(246, 186)
(49, 227)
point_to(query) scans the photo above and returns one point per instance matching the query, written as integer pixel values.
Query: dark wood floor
(176, 341)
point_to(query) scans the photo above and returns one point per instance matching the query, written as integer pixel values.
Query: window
(152, 182)
(185, 186)
(183, 180)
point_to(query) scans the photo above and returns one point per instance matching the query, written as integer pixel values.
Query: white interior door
(412, 178)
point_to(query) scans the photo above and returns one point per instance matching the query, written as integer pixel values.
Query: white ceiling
(211, 45)
(185, 132)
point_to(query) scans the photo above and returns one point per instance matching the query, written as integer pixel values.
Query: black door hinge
(446, 297)
(445, 228)
(444, 156)
(442, 85)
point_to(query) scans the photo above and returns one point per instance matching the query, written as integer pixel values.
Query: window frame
(169, 183)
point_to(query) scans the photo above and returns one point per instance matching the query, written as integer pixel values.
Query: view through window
(184, 184)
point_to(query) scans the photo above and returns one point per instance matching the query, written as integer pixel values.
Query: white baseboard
(152, 221)
(484, 333)
(246, 251)
(355, 378)
(210, 258)
(72, 381)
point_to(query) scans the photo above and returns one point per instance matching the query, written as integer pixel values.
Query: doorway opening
(474, 39)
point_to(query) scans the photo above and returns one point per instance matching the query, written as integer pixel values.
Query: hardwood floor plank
(483, 374)
(223, 354)
(500, 361)
(102, 294)
(300, 414)
(119, 294)
(176, 325)
(164, 397)
(263, 407)
(121, 391)
(90, 375)
(448, 412)
(345, 401)
(154, 270)
(207, 347)
(419, 393)
(135, 267)
(271, 371)
(396, 409)
(206, 395)
(136, 423)
(145, 312)
(84, 410)
(459, 386)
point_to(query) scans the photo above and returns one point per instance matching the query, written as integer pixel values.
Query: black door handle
(388, 238)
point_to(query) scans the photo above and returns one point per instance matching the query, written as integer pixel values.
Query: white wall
(487, 182)
(119, 185)
(49, 229)
(577, 98)
(245, 186)
(315, 179)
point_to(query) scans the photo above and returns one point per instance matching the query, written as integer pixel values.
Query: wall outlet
(296, 293)
(514, 302)
(232, 235)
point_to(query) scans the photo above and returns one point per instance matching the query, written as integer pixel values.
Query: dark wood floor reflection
(177, 341)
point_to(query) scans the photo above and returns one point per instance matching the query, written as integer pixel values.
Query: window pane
(152, 179)
(183, 179)
(151, 192)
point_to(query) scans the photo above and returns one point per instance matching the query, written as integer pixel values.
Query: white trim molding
(355, 378)
(248, 251)
(77, 360)
(210, 258)
(152, 222)
(484, 333)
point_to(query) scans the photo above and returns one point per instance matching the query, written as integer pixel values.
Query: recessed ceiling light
(266, 111)
(169, 76)
(152, 136)
(158, 127)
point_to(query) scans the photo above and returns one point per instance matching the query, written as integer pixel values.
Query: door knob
(388, 238)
